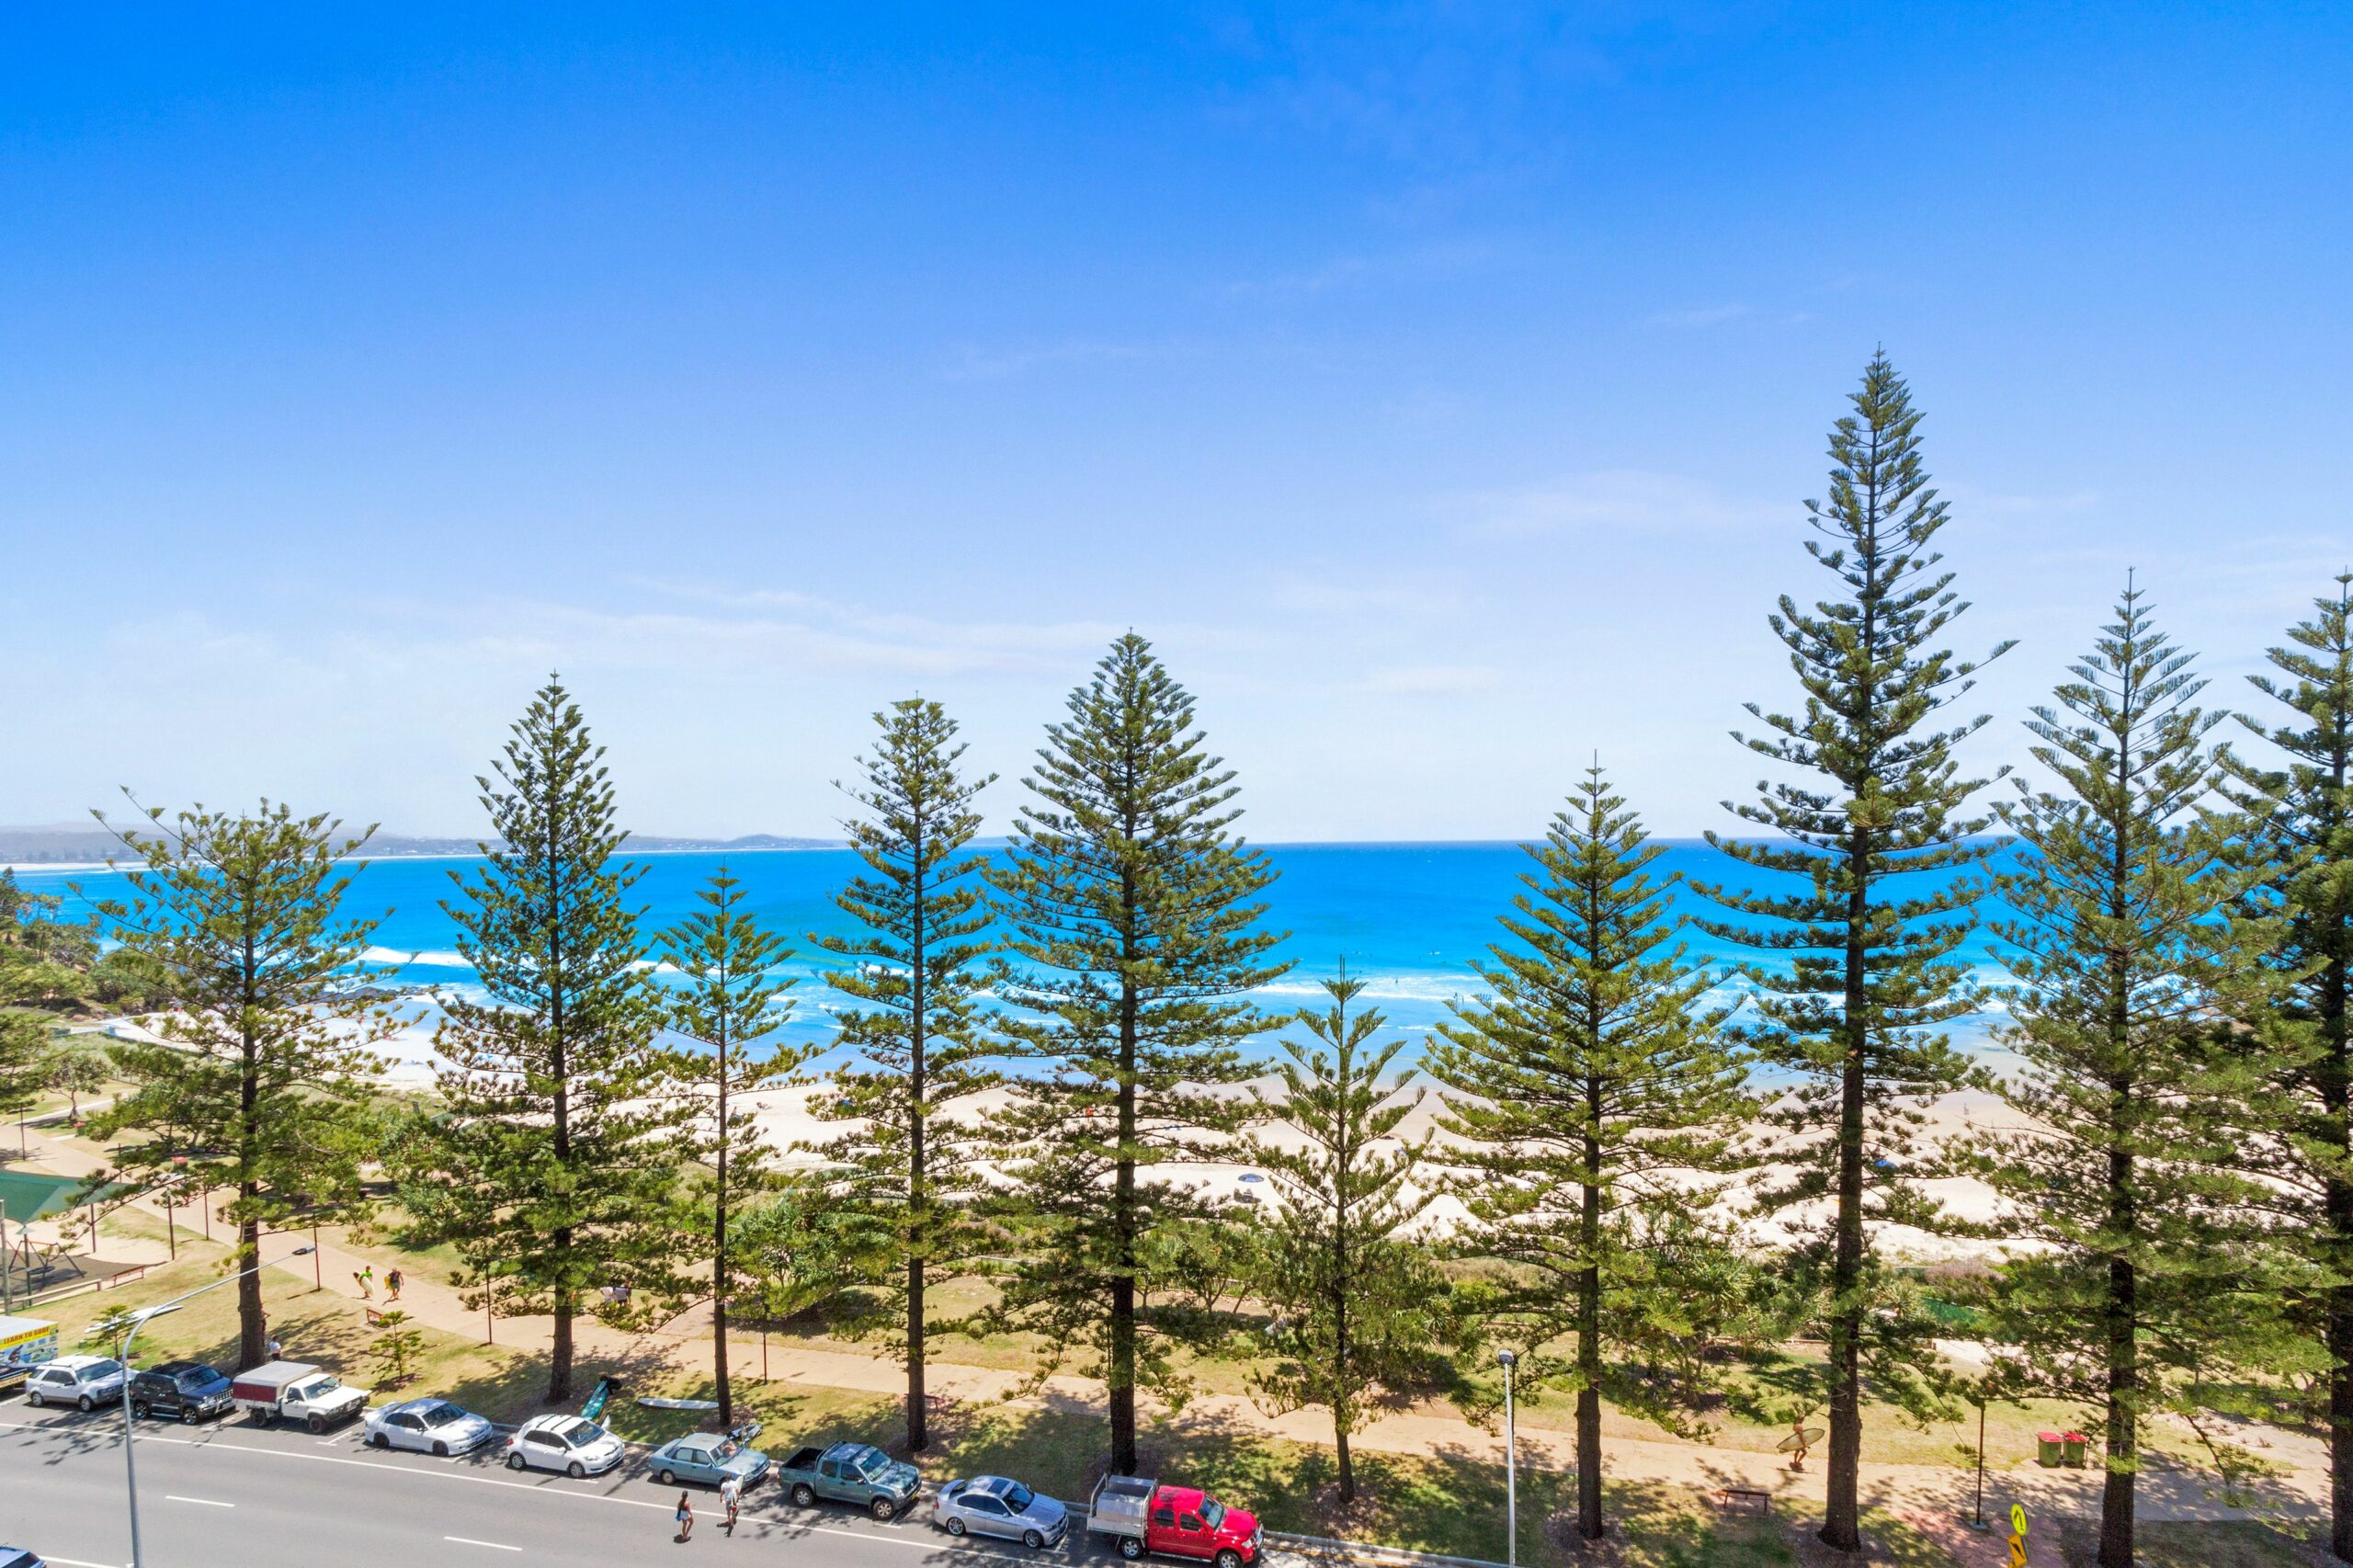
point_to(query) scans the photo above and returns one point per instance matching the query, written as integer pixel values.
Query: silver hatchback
(990, 1505)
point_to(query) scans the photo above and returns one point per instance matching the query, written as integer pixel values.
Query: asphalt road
(230, 1494)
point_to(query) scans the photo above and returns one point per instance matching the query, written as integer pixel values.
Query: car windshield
(200, 1377)
(1212, 1513)
(316, 1388)
(871, 1463)
(580, 1434)
(1018, 1497)
(441, 1414)
(102, 1369)
(726, 1448)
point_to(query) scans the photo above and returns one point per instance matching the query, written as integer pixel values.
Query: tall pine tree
(914, 976)
(2133, 962)
(259, 1084)
(730, 1006)
(1361, 1308)
(1879, 827)
(2300, 828)
(1131, 913)
(1595, 1094)
(564, 1138)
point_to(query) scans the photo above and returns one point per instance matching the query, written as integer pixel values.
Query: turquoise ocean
(1409, 919)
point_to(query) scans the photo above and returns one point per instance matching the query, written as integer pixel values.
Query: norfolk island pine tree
(2141, 1021)
(1872, 976)
(905, 1163)
(2299, 827)
(729, 1004)
(1360, 1309)
(259, 1082)
(1596, 1094)
(561, 1149)
(1129, 911)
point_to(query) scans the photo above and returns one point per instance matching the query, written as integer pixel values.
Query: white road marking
(77, 1562)
(495, 1546)
(798, 1521)
(210, 1503)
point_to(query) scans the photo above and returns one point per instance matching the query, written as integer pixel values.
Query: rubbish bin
(2048, 1447)
(2070, 1449)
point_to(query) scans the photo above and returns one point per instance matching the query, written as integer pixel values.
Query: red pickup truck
(1173, 1521)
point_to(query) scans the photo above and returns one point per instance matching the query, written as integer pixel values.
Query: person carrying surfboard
(1799, 1443)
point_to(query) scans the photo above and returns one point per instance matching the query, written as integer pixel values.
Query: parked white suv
(573, 1444)
(87, 1381)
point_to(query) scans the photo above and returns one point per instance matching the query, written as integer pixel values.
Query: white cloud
(1612, 499)
(1701, 315)
(974, 363)
(1430, 681)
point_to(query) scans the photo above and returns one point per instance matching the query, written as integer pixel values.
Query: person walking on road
(731, 1493)
(391, 1285)
(685, 1517)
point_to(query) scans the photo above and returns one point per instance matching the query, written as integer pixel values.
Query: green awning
(24, 1195)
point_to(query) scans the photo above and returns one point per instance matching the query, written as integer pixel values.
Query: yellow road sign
(2018, 1518)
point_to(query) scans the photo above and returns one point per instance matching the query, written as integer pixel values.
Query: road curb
(1357, 1548)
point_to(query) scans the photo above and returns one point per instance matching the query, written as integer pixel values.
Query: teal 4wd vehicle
(857, 1473)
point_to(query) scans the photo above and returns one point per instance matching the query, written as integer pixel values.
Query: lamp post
(138, 1320)
(1511, 1467)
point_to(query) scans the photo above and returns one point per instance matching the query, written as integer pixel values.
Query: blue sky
(1438, 387)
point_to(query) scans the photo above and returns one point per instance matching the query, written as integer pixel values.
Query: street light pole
(138, 1320)
(1511, 1467)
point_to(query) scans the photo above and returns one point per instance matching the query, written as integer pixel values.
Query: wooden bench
(1728, 1496)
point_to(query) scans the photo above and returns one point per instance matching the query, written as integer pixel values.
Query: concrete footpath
(1928, 1492)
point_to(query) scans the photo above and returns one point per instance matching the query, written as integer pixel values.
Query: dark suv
(188, 1390)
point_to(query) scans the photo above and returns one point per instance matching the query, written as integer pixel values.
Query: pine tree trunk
(1123, 1376)
(918, 1434)
(720, 1194)
(918, 1193)
(1124, 1284)
(560, 1349)
(1842, 1517)
(2341, 1398)
(2123, 1376)
(1348, 1466)
(719, 1363)
(2336, 1089)
(1589, 1519)
(253, 1322)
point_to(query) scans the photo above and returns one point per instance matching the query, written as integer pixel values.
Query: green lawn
(2235, 1544)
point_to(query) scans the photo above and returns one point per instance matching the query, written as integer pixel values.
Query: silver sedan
(990, 1505)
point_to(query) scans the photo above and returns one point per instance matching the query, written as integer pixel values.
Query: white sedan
(573, 1444)
(429, 1425)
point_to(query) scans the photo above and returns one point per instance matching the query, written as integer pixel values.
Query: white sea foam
(430, 958)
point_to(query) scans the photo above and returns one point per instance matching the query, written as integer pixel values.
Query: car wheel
(1131, 1548)
(86, 1404)
(955, 1525)
(138, 1411)
(883, 1509)
(34, 1398)
(187, 1415)
(317, 1424)
(1229, 1560)
(382, 1440)
(1032, 1539)
(440, 1450)
(577, 1471)
(803, 1494)
(514, 1461)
